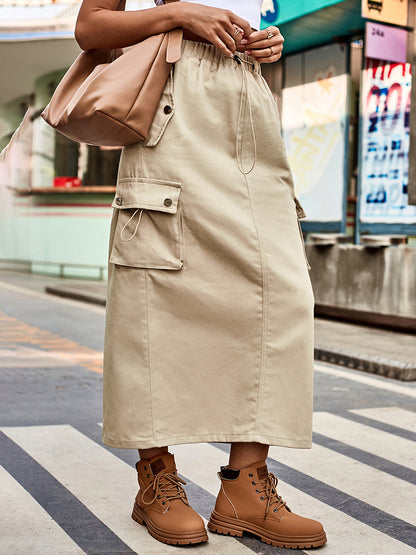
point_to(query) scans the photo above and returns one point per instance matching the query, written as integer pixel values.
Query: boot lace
(167, 485)
(269, 487)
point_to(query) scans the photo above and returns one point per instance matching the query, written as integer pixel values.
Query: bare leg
(243, 454)
(152, 452)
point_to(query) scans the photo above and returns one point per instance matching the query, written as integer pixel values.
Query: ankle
(147, 454)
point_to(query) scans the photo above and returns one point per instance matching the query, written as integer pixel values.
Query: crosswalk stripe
(355, 375)
(25, 527)
(383, 444)
(102, 482)
(356, 479)
(346, 535)
(394, 416)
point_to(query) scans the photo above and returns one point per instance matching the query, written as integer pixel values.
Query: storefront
(345, 106)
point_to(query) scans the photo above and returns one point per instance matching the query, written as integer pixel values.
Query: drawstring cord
(127, 223)
(244, 91)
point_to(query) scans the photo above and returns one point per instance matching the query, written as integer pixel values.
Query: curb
(403, 371)
(76, 295)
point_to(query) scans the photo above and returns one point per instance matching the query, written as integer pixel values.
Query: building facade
(344, 92)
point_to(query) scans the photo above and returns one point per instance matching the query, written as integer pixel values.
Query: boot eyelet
(250, 475)
(148, 475)
(253, 483)
(257, 491)
(145, 467)
(158, 497)
(261, 498)
(274, 510)
(163, 502)
(273, 491)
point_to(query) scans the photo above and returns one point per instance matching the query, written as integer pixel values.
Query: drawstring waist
(244, 119)
(247, 64)
(241, 122)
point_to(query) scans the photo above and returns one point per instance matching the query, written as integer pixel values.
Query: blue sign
(270, 11)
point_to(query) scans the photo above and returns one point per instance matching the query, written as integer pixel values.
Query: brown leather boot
(248, 502)
(162, 505)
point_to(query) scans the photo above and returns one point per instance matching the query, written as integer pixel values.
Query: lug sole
(140, 516)
(225, 525)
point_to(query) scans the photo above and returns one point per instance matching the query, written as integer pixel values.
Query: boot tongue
(162, 463)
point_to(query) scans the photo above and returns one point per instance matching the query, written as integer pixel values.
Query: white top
(249, 10)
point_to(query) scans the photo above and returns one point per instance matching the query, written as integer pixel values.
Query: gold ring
(271, 51)
(237, 30)
(269, 33)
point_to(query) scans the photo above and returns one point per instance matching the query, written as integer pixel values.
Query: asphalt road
(64, 492)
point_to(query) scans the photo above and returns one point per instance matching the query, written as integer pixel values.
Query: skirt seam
(263, 311)
(149, 366)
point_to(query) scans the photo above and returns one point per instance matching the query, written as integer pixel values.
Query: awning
(315, 22)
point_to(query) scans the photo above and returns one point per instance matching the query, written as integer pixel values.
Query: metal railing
(29, 265)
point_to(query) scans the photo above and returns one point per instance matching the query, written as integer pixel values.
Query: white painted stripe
(102, 482)
(26, 528)
(70, 302)
(377, 488)
(383, 444)
(346, 535)
(360, 377)
(395, 416)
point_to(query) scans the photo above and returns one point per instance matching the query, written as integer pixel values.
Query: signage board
(389, 11)
(385, 43)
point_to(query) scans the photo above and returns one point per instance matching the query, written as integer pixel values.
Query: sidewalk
(387, 353)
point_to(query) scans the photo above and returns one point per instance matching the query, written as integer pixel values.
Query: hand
(264, 50)
(221, 27)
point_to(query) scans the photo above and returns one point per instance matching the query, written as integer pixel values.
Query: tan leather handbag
(109, 98)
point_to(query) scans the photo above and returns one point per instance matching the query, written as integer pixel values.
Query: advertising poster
(314, 125)
(385, 143)
(388, 11)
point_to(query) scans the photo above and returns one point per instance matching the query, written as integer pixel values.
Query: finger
(227, 39)
(277, 40)
(263, 35)
(264, 52)
(243, 24)
(270, 59)
(216, 41)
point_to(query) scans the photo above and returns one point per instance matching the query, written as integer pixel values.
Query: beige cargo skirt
(209, 328)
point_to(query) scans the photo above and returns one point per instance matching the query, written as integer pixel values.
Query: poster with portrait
(385, 115)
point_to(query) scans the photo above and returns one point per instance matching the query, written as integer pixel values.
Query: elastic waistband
(208, 51)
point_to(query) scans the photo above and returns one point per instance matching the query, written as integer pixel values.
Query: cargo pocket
(300, 213)
(148, 231)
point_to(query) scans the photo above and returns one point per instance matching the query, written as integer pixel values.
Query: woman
(210, 308)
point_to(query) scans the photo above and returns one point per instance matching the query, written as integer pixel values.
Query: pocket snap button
(118, 201)
(167, 202)
(167, 109)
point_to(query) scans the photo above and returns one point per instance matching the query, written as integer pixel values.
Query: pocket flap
(299, 209)
(149, 194)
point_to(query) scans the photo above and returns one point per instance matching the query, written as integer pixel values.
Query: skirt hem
(303, 443)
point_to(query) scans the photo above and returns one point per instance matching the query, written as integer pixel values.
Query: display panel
(314, 124)
(385, 115)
